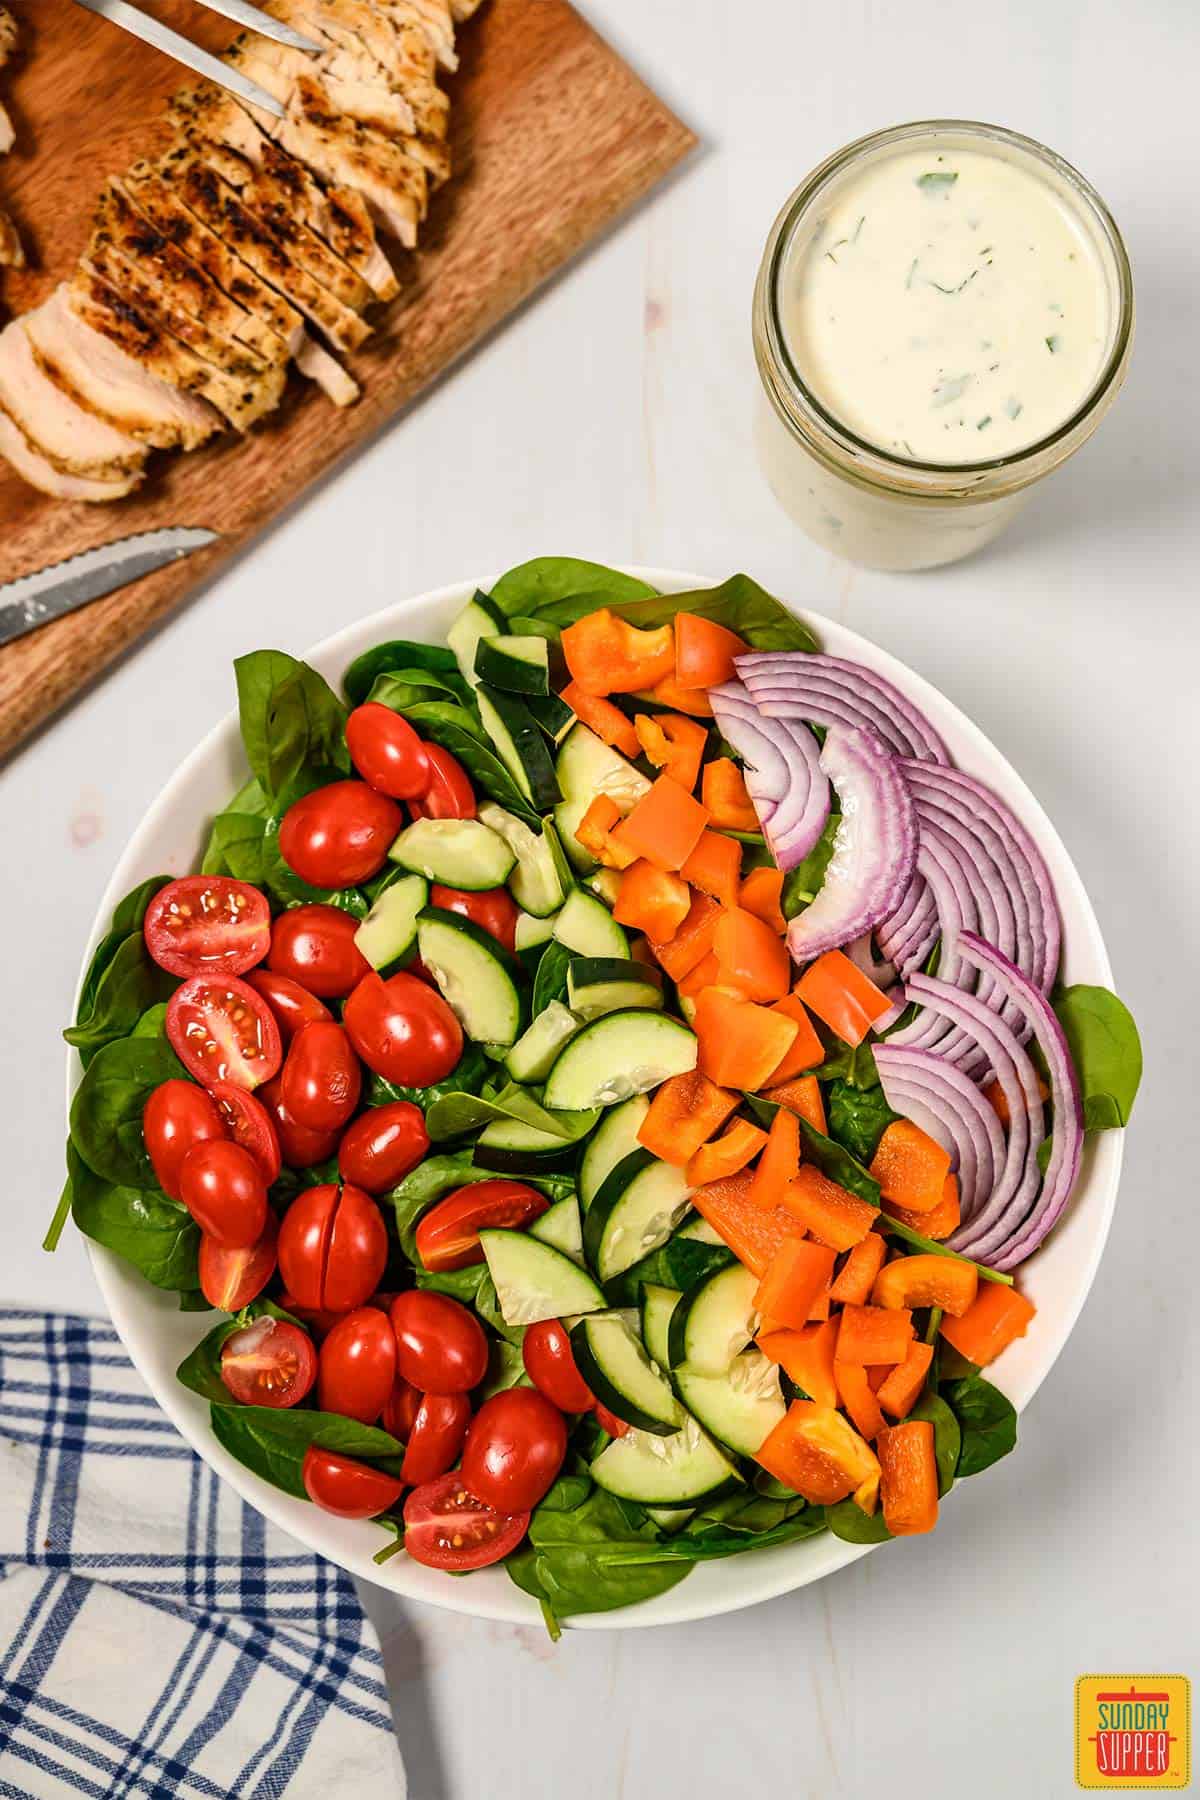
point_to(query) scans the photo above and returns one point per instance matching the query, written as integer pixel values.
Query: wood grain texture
(554, 137)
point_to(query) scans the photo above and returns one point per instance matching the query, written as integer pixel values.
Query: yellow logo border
(1141, 1786)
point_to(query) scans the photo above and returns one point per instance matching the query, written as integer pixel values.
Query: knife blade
(255, 19)
(49, 593)
(174, 44)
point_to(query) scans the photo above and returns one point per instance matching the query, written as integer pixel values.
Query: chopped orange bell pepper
(937, 1223)
(998, 1316)
(842, 996)
(751, 956)
(693, 941)
(684, 1113)
(945, 1281)
(901, 1389)
(821, 1306)
(704, 651)
(705, 974)
(723, 791)
(673, 743)
(908, 1481)
(798, 1274)
(814, 1451)
(994, 1094)
(714, 866)
(602, 717)
(802, 1097)
(779, 1162)
(856, 1277)
(910, 1167)
(594, 832)
(608, 655)
(724, 1156)
(665, 825)
(807, 1051)
(807, 1357)
(872, 1334)
(752, 1235)
(828, 1212)
(740, 1043)
(680, 699)
(652, 900)
(858, 1399)
(760, 895)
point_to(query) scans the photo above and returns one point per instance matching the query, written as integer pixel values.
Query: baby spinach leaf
(152, 1023)
(532, 586)
(679, 1263)
(272, 1442)
(290, 718)
(852, 1063)
(402, 688)
(838, 1164)
(141, 1224)
(987, 1419)
(467, 1077)
(850, 1523)
(802, 884)
(550, 982)
(128, 918)
(130, 984)
(106, 1113)
(235, 847)
(575, 1564)
(858, 1117)
(200, 1369)
(947, 1437)
(1106, 1051)
(383, 659)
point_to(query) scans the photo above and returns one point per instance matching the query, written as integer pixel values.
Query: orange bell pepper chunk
(872, 1334)
(684, 1113)
(813, 1450)
(704, 651)
(652, 900)
(927, 1280)
(704, 975)
(602, 717)
(751, 956)
(997, 1318)
(714, 866)
(594, 832)
(778, 1164)
(798, 1274)
(910, 1167)
(692, 943)
(856, 1277)
(752, 1235)
(673, 743)
(993, 1093)
(740, 1043)
(807, 1051)
(723, 790)
(842, 996)
(937, 1224)
(908, 1480)
(760, 895)
(802, 1097)
(901, 1389)
(828, 1212)
(821, 1306)
(608, 655)
(665, 825)
(680, 699)
(858, 1399)
(724, 1156)
(806, 1356)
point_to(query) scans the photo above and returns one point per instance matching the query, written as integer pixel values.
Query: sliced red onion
(874, 849)
(910, 934)
(783, 773)
(959, 903)
(862, 955)
(829, 690)
(938, 1097)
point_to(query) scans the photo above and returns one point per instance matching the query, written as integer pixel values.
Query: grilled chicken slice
(434, 18)
(8, 35)
(70, 438)
(464, 9)
(8, 136)
(33, 467)
(93, 369)
(12, 253)
(347, 63)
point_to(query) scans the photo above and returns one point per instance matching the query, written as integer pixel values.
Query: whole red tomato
(332, 1248)
(449, 794)
(387, 752)
(221, 1030)
(446, 1527)
(436, 1437)
(448, 1235)
(207, 925)
(299, 1147)
(339, 835)
(382, 1145)
(222, 1188)
(314, 946)
(322, 1078)
(514, 1449)
(177, 1116)
(403, 1030)
(440, 1346)
(494, 910)
(550, 1365)
(269, 1362)
(342, 1485)
(358, 1365)
(291, 1005)
(232, 1278)
(247, 1121)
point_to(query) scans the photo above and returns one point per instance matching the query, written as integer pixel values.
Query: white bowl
(157, 1335)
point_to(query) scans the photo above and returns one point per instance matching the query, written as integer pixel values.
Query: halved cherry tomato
(332, 1248)
(268, 1363)
(208, 925)
(449, 794)
(436, 1437)
(448, 1235)
(514, 1449)
(322, 1077)
(221, 1187)
(221, 1030)
(358, 1366)
(340, 834)
(403, 1030)
(446, 1527)
(440, 1346)
(400, 1412)
(231, 1279)
(387, 752)
(609, 1421)
(382, 1145)
(342, 1485)
(292, 1005)
(248, 1123)
(550, 1365)
(314, 946)
(494, 910)
(299, 1147)
(177, 1116)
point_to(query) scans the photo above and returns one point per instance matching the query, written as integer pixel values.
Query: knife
(50, 593)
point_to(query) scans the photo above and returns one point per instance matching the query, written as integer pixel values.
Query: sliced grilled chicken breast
(71, 438)
(434, 18)
(33, 467)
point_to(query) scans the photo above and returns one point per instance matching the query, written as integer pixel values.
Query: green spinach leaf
(838, 1164)
(106, 1113)
(130, 984)
(987, 1419)
(947, 1437)
(850, 1523)
(532, 586)
(679, 1263)
(291, 719)
(235, 847)
(272, 1442)
(550, 982)
(802, 884)
(384, 659)
(1106, 1051)
(467, 1077)
(153, 1233)
(858, 1117)
(574, 1561)
(409, 687)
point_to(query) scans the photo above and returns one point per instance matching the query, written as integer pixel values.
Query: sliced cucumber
(541, 880)
(520, 744)
(561, 1227)
(536, 1051)
(586, 926)
(519, 665)
(658, 1303)
(610, 1357)
(664, 1471)
(670, 1518)
(551, 1140)
(714, 1321)
(552, 714)
(389, 930)
(479, 618)
(462, 853)
(605, 884)
(615, 1138)
(741, 1407)
(602, 984)
(534, 1281)
(621, 1054)
(636, 1210)
(587, 766)
(532, 931)
(701, 1231)
(475, 975)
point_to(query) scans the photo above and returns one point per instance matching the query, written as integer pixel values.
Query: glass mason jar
(868, 504)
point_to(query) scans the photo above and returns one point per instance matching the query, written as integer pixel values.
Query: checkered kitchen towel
(157, 1636)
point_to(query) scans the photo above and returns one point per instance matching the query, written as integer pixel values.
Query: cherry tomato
(221, 1187)
(299, 1147)
(449, 794)
(314, 946)
(387, 752)
(332, 1248)
(446, 1527)
(292, 1005)
(448, 1235)
(208, 925)
(609, 1421)
(494, 910)
(268, 1363)
(231, 1279)
(403, 1030)
(177, 1116)
(221, 1030)
(351, 1489)
(550, 1365)
(247, 1121)
(319, 1321)
(381, 1146)
(440, 1346)
(436, 1437)
(339, 835)
(322, 1077)
(514, 1449)
(358, 1365)
(403, 1405)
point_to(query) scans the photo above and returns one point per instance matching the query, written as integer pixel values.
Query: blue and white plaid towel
(157, 1636)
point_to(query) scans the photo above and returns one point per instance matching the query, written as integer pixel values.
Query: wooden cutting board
(554, 136)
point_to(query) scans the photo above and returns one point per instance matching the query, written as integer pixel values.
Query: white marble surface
(612, 419)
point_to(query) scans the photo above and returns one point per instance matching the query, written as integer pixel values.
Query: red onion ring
(783, 773)
(828, 690)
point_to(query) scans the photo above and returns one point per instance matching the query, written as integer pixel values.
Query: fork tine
(171, 43)
(254, 19)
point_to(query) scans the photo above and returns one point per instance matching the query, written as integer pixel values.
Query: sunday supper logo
(1133, 1731)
